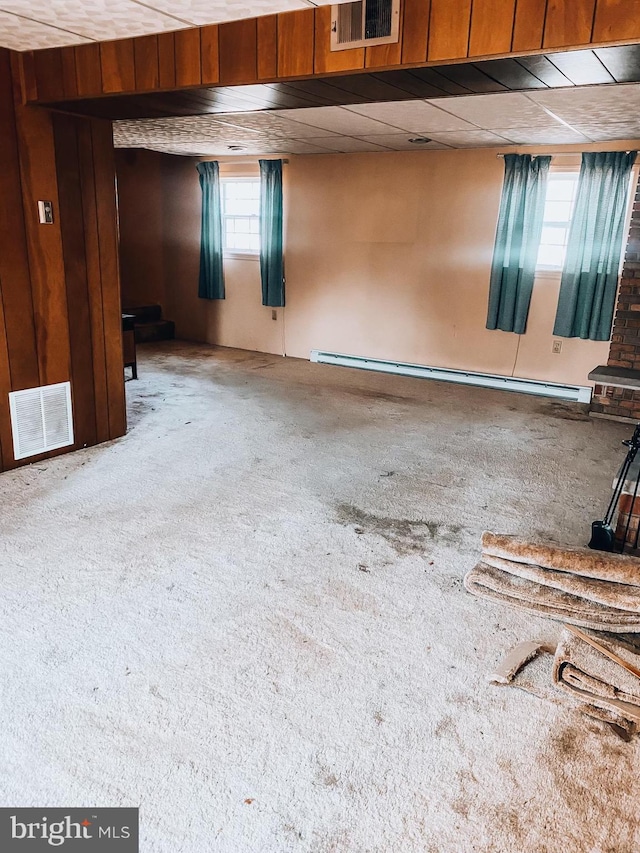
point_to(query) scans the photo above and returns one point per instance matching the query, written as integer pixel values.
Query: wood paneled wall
(59, 284)
(296, 44)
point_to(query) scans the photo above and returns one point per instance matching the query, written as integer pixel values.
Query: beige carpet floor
(247, 617)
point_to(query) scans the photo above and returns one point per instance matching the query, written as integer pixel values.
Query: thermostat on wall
(45, 212)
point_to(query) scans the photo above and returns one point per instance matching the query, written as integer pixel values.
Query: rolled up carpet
(576, 585)
(592, 678)
(619, 568)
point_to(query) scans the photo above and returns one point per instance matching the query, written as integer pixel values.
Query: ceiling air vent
(41, 419)
(364, 23)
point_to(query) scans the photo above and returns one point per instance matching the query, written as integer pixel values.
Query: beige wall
(241, 320)
(386, 255)
(389, 256)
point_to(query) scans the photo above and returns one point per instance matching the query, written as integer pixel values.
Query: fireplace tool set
(603, 535)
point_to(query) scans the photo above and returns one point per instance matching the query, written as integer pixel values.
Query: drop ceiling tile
(412, 116)
(184, 129)
(207, 135)
(273, 122)
(610, 132)
(23, 34)
(508, 109)
(335, 120)
(470, 139)
(180, 150)
(559, 133)
(592, 104)
(201, 12)
(400, 142)
(345, 144)
(298, 146)
(99, 19)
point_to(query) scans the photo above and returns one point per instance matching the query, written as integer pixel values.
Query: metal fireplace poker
(626, 486)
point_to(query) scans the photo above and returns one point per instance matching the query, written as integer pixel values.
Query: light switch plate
(45, 212)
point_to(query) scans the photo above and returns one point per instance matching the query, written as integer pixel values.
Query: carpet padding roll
(576, 585)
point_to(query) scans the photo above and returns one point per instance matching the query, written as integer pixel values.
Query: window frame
(238, 254)
(546, 270)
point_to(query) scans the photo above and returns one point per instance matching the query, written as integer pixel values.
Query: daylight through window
(241, 215)
(558, 209)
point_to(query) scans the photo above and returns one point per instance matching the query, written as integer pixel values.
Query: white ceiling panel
(202, 12)
(609, 132)
(560, 134)
(16, 32)
(188, 130)
(412, 116)
(274, 122)
(22, 22)
(400, 142)
(299, 146)
(336, 120)
(346, 144)
(99, 19)
(179, 149)
(592, 104)
(508, 109)
(469, 138)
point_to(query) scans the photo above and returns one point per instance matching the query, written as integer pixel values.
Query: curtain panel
(591, 269)
(211, 279)
(271, 237)
(517, 241)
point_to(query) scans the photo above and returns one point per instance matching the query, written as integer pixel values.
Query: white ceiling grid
(590, 114)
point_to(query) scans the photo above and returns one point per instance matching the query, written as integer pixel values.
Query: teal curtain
(271, 257)
(591, 268)
(517, 241)
(211, 281)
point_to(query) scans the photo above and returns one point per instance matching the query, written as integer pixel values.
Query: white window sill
(242, 256)
(541, 272)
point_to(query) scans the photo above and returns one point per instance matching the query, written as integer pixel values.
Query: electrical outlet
(557, 346)
(274, 314)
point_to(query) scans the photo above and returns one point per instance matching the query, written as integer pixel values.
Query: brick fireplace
(622, 401)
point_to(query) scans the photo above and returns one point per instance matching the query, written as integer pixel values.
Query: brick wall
(625, 339)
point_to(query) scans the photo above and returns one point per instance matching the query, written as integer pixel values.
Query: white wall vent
(41, 419)
(364, 23)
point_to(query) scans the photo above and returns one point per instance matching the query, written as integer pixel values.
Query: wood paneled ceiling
(608, 65)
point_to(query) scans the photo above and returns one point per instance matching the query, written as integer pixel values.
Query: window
(241, 215)
(558, 209)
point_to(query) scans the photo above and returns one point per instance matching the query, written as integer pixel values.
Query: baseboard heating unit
(575, 393)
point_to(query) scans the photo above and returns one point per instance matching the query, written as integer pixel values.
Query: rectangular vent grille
(365, 22)
(41, 419)
(349, 23)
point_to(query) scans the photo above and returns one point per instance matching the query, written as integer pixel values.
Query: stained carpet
(247, 617)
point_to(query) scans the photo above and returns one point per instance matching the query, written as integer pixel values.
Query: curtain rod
(241, 162)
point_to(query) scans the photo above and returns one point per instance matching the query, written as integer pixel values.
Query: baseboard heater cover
(575, 393)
